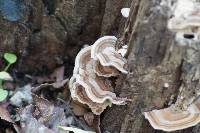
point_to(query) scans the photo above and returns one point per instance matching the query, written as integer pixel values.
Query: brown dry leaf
(57, 77)
(9, 85)
(93, 121)
(4, 114)
(43, 79)
(29, 124)
(58, 74)
(43, 117)
(74, 130)
(59, 84)
(78, 108)
(89, 118)
(51, 115)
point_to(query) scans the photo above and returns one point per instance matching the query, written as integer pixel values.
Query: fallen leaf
(45, 115)
(78, 108)
(22, 95)
(4, 114)
(89, 118)
(58, 74)
(73, 129)
(93, 121)
(49, 114)
(57, 77)
(8, 85)
(60, 84)
(29, 124)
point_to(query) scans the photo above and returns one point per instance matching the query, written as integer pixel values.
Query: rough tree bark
(154, 58)
(51, 32)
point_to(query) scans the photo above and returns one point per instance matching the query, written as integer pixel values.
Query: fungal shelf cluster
(186, 25)
(91, 82)
(186, 22)
(169, 119)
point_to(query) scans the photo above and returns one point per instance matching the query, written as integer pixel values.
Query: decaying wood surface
(155, 58)
(52, 32)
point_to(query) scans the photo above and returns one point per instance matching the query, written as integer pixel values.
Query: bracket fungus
(186, 24)
(105, 71)
(90, 84)
(169, 119)
(104, 51)
(186, 20)
(78, 93)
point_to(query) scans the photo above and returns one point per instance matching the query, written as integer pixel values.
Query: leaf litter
(31, 113)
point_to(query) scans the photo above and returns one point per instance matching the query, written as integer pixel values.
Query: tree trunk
(154, 58)
(51, 32)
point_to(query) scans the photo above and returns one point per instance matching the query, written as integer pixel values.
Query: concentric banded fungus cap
(85, 65)
(80, 95)
(104, 51)
(170, 120)
(97, 88)
(186, 17)
(179, 24)
(83, 56)
(88, 88)
(105, 71)
(186, 22)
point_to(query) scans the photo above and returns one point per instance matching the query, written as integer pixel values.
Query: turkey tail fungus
(93, 65)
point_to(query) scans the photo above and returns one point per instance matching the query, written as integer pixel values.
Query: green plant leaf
(3, 94)
(5, 76)
(10, 57)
